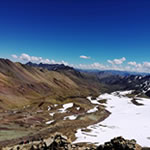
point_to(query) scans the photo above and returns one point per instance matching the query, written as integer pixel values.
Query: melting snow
(49, 108)
(123, 93)
(73, 117)
(126, 119)
(65, 107)
(49, 122)
(140, 77)
(51, 114)
(78, 108)
(92, 101)
(92, 110)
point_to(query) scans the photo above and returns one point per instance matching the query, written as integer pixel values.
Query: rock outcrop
(60, 142)
(119, 143)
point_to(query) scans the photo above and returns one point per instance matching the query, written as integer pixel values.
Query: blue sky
(112, 34)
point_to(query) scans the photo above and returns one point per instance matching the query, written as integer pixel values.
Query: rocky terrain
(39, 100)
(59, 142)
(140, 83)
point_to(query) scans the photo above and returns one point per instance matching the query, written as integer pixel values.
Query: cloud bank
(14, 56)
(117, 61)
(26, 58)
(115, 64)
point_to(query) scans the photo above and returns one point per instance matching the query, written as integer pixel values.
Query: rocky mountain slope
(37, 100)
(22, 84)
(118, 80)
(139, 83)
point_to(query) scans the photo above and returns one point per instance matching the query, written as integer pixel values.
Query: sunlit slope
(21, 84)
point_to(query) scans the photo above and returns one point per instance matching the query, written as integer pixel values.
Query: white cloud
(95, 65)
(117, 61)
(115, 64)
(85, 57)
(25, 58)
(146, 65)
(33, 58)
(99, 66)
(140, 67)
(65, 63)
(132, 63)
(14, 56)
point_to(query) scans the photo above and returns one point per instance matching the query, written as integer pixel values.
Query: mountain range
(33, 98)
(22, 83)
(26, 82)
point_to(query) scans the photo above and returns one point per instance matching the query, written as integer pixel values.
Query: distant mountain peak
(53, 67)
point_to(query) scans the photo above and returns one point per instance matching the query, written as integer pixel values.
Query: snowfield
(126, 119)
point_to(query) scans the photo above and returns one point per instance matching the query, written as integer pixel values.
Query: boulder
(60, 143)
(119, 143)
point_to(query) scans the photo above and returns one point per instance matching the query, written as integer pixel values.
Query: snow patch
(72, 117)
(78, 108)
(92, 110)
(65, 107)
(51, 114)
(126, 119)
(49, 122)
(93, 101)
(49, 108)
(123, 93)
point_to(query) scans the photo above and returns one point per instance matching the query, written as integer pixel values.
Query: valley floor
(81, 120)
(32, 123)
